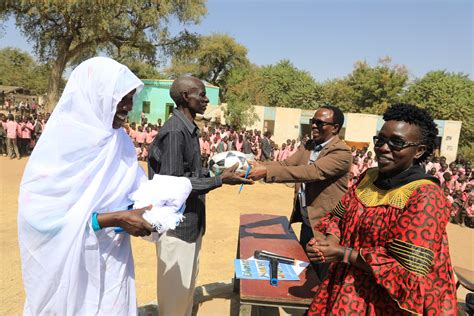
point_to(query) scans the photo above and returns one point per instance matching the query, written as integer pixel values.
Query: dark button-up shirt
(176, 152)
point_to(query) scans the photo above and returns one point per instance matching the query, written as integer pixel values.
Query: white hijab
(79, 165)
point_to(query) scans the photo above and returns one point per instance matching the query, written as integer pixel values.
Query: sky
(326, 38)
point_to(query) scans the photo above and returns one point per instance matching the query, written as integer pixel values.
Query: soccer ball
(221, 161)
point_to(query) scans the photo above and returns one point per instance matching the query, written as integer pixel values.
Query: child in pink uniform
(140, 137)
(11, 127)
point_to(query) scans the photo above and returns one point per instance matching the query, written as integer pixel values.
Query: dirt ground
(224, 206)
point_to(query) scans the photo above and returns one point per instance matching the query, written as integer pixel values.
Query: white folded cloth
(168, 196)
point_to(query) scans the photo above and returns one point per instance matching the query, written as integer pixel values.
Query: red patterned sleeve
(330, 224)
(402, 265)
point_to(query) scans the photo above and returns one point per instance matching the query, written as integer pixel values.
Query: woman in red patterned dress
(387, 236)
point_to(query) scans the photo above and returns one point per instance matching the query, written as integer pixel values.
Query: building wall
(450, 139)
(258, 124)
(286, 125)
(361, 127)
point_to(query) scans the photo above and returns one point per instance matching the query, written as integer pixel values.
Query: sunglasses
(393, 144)
(319, 124)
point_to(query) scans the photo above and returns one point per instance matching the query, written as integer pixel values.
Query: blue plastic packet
(246, 175)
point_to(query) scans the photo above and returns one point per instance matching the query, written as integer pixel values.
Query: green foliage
(339, 93)
(275, 85)
(376, 88)
(67, 32)
(212, 60)
(448, 96)
(142, 69)
(286, 86)
(242, 94)
(18, 68)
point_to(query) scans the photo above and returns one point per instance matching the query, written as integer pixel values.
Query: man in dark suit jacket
(320, 171)
(267, 147)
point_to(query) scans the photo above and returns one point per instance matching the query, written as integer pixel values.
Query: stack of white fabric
(168, 196)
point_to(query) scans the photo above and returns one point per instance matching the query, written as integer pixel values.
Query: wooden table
(272, 233)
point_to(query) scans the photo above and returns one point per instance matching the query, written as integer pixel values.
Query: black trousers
(23, 144)
(306, 234)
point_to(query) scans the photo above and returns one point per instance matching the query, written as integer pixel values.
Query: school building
(285, 123)
(289, 123)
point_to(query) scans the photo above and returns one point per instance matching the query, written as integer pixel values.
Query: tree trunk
(56, 73)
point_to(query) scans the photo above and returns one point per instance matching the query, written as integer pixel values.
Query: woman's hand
(325, 250)
(134, 223)
(131, 221)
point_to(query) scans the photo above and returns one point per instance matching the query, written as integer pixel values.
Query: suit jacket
(326, 179)
(266, 149)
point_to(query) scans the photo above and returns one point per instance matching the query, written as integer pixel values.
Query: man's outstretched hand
(230, 177)
(257, 172)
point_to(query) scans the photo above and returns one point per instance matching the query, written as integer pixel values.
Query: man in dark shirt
(176, 152)
(266, 147)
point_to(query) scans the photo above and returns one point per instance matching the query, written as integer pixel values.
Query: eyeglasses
(319, 124)
(393, 144)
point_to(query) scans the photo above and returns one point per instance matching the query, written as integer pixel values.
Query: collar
(312, 146)
(191, 126)
(413, 173)
(325, 143)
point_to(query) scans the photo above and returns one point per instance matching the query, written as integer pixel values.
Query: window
(169, 109)
(146, 107)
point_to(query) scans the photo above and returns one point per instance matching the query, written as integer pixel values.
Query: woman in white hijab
(79, 174)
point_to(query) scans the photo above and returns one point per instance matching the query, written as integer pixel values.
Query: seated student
(467, 192)
(448, 181)
(353, 151)
(455, 173)
(365, 165)
(436, 163)
(460, 183)
(370, 160)
(469, 209)
(432, 172)
(447, 194)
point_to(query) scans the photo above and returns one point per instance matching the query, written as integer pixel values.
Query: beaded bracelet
(95, 222)
(347, 255)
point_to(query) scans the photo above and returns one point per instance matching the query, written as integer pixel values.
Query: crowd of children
(216, 140)
(18, 134)
(249, 142)
(457, 181)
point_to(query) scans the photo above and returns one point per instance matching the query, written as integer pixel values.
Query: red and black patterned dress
(401, 234)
